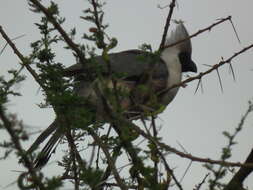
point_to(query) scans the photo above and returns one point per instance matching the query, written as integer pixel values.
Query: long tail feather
(51, 128)
(48, 150)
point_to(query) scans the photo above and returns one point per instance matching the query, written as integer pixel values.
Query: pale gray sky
(196, 121)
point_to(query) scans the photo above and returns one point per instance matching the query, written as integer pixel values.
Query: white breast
(170, 57)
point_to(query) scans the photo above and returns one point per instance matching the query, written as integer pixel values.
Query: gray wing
(131, 63)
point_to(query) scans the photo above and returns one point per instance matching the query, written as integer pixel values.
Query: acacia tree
(148, 167)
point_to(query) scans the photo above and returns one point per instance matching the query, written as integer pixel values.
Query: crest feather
(180, 33)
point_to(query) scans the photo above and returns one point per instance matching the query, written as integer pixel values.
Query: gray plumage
(132, 63)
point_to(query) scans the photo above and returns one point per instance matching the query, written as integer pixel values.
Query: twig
(73, 148)
(154, 152)
(24, 61)
(65, 36)
(201, 183)
(170, 170)
(15, 139)
(167, 24)
(94, 4)
(74, 155)
(120, 182)
(98, 24)
(117, 185)
(108, 170)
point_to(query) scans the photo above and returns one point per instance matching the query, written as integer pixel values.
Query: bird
(134, 68)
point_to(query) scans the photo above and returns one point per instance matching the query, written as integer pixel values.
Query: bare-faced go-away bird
(132, 66)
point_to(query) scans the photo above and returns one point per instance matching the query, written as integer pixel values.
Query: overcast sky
(196, 121)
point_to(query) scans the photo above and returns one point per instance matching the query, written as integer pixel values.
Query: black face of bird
(187, 64)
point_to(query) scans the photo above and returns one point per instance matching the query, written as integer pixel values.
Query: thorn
(181, 146)
(201, 87)
(162, 7)
(189, 165)
(232, 71)
(178, 21)
(198, 86)
(2, 50)
(219, 80)
(237, 36)
(207, 65)
(187, 169)
(21, 36)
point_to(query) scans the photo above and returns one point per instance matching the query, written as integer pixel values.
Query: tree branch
(167, 24)
(24, 61)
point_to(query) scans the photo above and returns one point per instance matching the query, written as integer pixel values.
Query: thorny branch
(213, 68)
(200, 31)
(179, 153)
